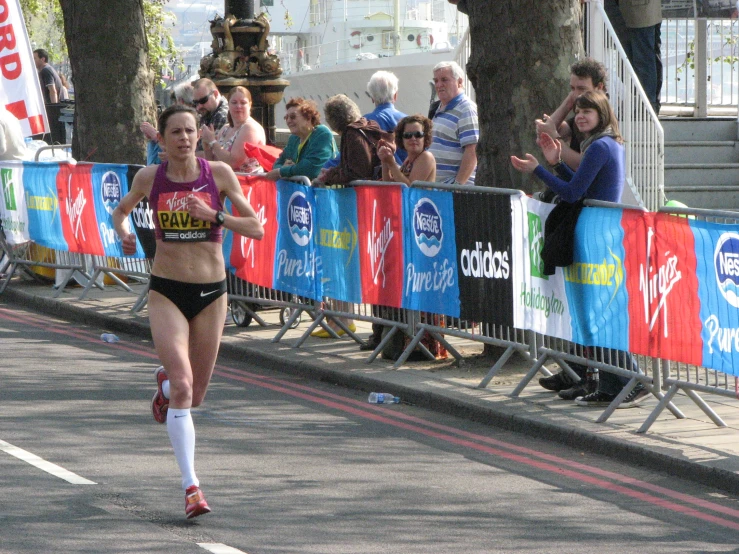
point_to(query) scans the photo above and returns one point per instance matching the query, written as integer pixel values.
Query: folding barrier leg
(496, 368)
(318, 321)
(457, 356)
(695, 397)
(383, 342)
(530, 375)
(617, 401)
(410, 348)
(658, 410)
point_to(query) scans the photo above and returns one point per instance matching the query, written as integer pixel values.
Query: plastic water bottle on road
(383, 398)
(109, 337)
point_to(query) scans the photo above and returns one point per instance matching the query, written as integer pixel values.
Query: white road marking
(218, 548)
(40, 463)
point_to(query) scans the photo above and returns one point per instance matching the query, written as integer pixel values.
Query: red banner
(380, 215)
(77, 209)
(664, 310)
(254, 259)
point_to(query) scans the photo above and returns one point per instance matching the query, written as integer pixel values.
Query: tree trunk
(519, 66)
(112, 82)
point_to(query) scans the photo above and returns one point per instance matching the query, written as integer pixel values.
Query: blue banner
(430, 281)
(596, 282)
(296, 267)
(42, 203)
(717, 267)
(336, 228)
(228, 238)
(109, 185)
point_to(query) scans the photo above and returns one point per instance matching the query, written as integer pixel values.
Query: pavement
(693, 448)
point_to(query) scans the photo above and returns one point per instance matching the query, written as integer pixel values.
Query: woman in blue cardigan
(600, 177)
(601, 173)
(309, 147)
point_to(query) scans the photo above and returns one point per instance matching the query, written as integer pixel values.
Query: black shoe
(557, 382)
(369, 345)
(583, 388)
(637, 395)
(596, 398)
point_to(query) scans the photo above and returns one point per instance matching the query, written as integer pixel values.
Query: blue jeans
(610, 383)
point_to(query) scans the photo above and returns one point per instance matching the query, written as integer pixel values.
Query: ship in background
(334, 46)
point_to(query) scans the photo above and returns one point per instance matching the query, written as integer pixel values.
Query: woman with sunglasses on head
(187, 286)
(227, 145)
(310, 145)
(414, 134)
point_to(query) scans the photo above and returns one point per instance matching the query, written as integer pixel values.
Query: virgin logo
(655, 284)
(247, 244)
(177, 203)
(377, 245)
(74, 213)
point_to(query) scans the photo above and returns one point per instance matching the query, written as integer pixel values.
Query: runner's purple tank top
(168, 200)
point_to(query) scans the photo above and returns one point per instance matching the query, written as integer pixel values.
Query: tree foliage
(45, 24)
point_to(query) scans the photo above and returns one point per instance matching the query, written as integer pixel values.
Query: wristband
(211, 143)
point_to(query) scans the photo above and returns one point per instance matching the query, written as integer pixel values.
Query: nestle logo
(110, 191)
(300, 218)
(726, 264)
(427, 227)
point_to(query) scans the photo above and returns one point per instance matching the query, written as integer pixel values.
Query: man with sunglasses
(211, 106)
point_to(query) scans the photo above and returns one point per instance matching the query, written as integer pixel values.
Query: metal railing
(640, 127)
(699, 58)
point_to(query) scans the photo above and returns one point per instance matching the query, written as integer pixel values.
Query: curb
(508, 417)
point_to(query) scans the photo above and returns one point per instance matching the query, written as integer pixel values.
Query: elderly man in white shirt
(12, 143)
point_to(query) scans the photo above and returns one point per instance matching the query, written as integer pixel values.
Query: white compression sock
(165, 389)
(182, 436)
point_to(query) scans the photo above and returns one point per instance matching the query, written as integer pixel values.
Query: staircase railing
(643, 135)
(461, 56)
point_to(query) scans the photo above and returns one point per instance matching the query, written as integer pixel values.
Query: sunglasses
(414, 134)
(202, 100)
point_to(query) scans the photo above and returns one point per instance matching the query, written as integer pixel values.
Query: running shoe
(159, 403)
(195, 504)
(637, 395)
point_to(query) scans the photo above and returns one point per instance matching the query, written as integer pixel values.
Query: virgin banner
(431, 279)
(253, 258)
(295, 264)
(77, 209)
(380, 219)
(483, 226)
(338, 243)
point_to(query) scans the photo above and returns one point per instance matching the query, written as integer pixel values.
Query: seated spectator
(228, 144)
(413, 133)
(360, 138)
(12, 143)
(310, 144)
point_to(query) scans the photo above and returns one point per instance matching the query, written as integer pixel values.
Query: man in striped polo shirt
(455, 131)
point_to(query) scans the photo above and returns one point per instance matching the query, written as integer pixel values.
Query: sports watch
(220, 217)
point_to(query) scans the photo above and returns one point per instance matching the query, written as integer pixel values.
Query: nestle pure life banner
(539, 301)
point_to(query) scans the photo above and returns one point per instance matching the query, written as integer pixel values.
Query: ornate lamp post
(240, 57)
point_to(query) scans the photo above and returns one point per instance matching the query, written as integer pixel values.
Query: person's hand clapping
(545, 125)
(551, 148)
(149, 131)
(527, 165)
(207, 133)
(385, 153)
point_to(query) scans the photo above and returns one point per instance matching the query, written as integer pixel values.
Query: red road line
(342, 404)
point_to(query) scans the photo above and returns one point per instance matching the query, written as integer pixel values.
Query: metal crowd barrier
(513, 340)
(679, 376)
(598, 359)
